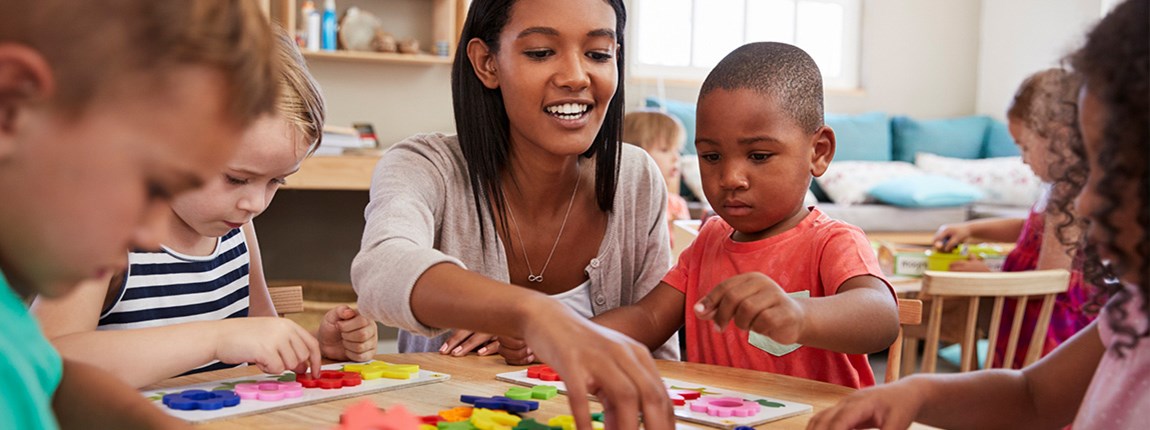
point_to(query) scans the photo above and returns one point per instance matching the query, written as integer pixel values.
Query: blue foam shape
(190, 400)
(500, 402)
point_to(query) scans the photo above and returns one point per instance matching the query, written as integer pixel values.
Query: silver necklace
(532, 277)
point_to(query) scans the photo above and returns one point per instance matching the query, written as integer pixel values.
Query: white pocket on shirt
(769, 345)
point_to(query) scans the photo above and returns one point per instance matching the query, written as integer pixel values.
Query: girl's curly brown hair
(1115, 63)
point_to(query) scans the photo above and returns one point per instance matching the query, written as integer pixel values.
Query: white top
(578, 299)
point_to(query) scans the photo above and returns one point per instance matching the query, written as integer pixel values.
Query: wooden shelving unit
(446, 23)
(340, 172)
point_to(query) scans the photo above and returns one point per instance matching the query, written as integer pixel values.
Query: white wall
(1021, 37)
(919, 57)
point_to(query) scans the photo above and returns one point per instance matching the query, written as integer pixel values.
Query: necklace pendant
(535, 278)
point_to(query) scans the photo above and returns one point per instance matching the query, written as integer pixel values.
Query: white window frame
(852, 41)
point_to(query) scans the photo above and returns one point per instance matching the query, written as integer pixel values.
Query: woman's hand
(462, 342)
(595, 360)
(344, 334)
(515, 351)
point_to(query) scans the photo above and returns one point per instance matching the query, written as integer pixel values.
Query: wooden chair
(971, 286)
(287, 299)
(909, 313)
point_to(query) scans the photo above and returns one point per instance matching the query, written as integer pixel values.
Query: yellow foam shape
(381, 369)
(427, 427)
(568, 423)
(487, 419)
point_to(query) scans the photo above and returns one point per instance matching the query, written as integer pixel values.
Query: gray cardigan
(422, 213)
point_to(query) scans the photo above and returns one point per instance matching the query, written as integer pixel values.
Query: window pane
(718, 30)
(820, 33)
(664, 32)
(771, 21)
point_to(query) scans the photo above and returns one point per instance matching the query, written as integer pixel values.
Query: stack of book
(338, 140)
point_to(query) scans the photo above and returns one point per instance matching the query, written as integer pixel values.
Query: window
(684, 39)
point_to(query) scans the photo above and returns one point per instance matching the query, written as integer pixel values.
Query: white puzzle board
(310, 395)
(772, 409)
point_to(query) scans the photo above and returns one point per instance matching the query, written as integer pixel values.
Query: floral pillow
(849, 182)
(1003, 180)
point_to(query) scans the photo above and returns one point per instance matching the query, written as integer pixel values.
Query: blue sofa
(877, 136)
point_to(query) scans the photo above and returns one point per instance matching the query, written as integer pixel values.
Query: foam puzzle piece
(272, 391)
(431, 419)
(330, 380)
(456, 414)
(488, 419)
(500, 402)
(190, 400)
(725, 406)
(457, 425)
(427, 427)
(744, 428)
(542, 372)
(680, 397)
(541, 392)
(366, 416)
(531, 424)
(382, 369)
(567, 422)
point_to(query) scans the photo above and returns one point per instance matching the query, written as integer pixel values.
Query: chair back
(909, 313)
(287, 299)
(973, 286)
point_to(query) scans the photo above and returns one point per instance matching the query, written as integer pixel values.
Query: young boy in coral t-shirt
(772, 285)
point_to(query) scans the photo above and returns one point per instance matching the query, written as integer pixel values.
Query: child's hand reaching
(950, 236)
(892, 406)
(344, 334)
(755, 303)
(273, 344)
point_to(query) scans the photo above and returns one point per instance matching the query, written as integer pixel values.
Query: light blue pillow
(685, 112)
(925, 191)
(951, 137)
(864, 137)
(999, 142)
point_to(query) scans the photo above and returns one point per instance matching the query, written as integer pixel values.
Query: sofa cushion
(951, 137)
(685, 112)
(925, 191)
(999, 142)
(864, 137)
(1003, 180)
(849, 182)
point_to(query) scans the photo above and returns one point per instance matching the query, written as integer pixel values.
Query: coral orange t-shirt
(816, 256)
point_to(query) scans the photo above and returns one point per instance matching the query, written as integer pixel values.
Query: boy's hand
(891, 406)
(950, 236)
(344, 334)
(515, 351)
(756, 303)
(462, 342)
(273, 344)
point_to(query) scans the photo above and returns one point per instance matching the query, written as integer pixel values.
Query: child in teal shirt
(107, 109)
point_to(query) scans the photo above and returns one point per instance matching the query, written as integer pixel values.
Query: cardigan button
(595, 263)
(600, 300)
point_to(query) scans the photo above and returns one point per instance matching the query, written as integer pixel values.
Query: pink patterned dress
(1073, 310)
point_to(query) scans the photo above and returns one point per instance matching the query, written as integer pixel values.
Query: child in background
(208, 277)
(1043, 119)
(787, 289)
(662, 136)
(106, 110)
(1097, 379)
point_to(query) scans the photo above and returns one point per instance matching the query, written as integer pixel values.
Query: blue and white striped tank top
(165, 287)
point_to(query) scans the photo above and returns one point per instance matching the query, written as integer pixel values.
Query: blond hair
(645, 127)
(300, 101)
(97, 47)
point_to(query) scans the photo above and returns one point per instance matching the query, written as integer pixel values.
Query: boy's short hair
(98, 47)
(784, 72)
(644, 127)
(300, 101)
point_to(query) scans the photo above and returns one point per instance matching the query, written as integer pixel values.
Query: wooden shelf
(376, 57)
(342, 172)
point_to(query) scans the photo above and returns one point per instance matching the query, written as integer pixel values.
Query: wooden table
(476, 375)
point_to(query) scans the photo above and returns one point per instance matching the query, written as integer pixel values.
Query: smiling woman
(462, 231)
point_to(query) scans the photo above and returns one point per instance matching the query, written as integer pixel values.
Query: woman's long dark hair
(484, 129)
(1115, 63)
